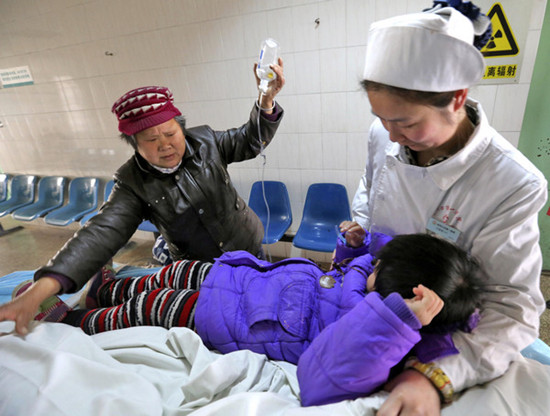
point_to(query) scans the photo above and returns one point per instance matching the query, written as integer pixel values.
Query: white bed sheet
(58, 370)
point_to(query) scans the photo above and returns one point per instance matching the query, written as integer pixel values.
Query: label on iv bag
(443, 230)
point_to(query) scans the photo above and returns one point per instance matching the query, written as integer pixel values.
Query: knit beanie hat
(144, 107)
(430, 51)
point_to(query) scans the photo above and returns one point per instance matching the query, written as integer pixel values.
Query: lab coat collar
(447, 172)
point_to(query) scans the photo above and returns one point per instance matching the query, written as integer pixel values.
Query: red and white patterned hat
(144, 107)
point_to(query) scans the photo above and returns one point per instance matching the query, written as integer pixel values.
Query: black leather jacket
(196, 209)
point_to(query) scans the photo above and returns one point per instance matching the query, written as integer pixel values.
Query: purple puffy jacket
(274, 309)
(281, 309)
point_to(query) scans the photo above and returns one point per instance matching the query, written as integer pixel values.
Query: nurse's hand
(24, 307)
(354, 233)
(411, 394)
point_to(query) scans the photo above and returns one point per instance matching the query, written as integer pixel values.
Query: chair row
(326, 206)
(81, 206)
(50, 190)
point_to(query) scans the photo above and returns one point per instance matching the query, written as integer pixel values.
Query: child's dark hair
(412, 259)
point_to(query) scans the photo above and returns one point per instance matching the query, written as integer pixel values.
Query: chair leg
(10, 230)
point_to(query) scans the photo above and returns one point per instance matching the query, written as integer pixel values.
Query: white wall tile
(288, 153)
(356, 150)
(291, 117)
(255, 30)
(389, 8)
(415, 6)
(5, 34)
(304, 28)
(510, 107)
(335, 151)
(30, 34)
(486, 95)
(334, 176)
(359, 16)
(309, 113)
(334, 112)
(311, 151)
(537, 14)
(233, 33)
(332, 24)
(289, 70)
(180, 12)
(102, 20)
(78, 94)
(307, 72)
(10, 102)
(333, 69)
(359, 116)
(529, 56)
(355, 62)
(278, 27)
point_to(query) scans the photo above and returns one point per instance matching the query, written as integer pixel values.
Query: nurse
(434, 164)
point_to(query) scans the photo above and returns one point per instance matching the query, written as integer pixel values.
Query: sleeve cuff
(67, 285)
(397, 304)
(274, 116)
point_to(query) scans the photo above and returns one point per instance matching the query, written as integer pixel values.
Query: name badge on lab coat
(443, 230)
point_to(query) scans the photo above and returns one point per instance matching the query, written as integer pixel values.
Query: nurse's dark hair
(432, 99)
(131, 139)
(412, 259)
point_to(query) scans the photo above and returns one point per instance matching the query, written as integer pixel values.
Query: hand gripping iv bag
(269, 54)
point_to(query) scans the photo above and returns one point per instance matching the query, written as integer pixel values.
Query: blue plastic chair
(280, 212)
(147, 225)
(82, 200)
(51, 195)
(326, 206)
(108, 188)
(3, 186)
(22, 193)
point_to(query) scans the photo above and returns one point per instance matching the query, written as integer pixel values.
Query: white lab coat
(491, 194)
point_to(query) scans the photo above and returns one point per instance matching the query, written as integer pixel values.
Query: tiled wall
(83, 54)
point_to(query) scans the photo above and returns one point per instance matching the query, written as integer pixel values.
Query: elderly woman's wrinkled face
(162, 145)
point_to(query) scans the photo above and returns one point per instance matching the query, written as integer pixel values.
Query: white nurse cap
(430, 51)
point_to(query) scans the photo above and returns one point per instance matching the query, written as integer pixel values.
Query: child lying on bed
(348, 330)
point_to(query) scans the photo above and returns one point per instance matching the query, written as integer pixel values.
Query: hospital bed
(58, 370)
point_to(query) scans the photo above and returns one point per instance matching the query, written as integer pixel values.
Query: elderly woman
(436, 165)
(177, 179)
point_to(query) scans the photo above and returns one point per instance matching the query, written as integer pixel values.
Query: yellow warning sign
(502, 42)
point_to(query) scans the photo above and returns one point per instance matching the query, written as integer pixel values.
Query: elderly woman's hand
(22, 309)
(266, 100)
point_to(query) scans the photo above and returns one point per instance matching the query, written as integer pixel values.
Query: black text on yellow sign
(502, 42)
(500, 71)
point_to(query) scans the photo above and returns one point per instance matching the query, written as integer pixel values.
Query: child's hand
(354, 233)
(425, 305)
